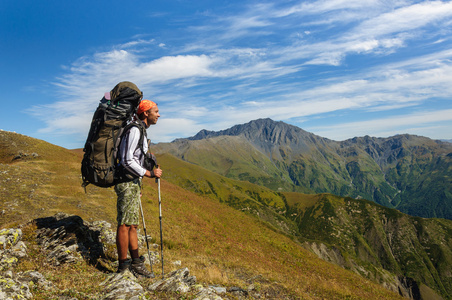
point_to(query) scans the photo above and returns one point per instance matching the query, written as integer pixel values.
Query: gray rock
(239, 291)
(177, 263)
(7, 261)
(8, 274)
(23, 155)
(12, 289)
(177, 281)
(122, 286)
(207, 294)
(9, 238)
(67, 239)
(107, 235)
(11, 248)
(37, 278)
(19, 250)
(218, 289)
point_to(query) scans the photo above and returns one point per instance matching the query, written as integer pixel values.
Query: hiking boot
(124, 266)
(139, 269)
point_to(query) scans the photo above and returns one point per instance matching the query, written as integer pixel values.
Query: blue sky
(336, 68)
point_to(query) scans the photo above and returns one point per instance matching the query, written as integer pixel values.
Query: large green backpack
(110, 121)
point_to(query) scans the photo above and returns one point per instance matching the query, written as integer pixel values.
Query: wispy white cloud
(169, 68)
(255, 64)
(381, 90)
(135, 43)
(403, 19)
(89, 78)
(386, 28)
(384, 127)
(327, 6)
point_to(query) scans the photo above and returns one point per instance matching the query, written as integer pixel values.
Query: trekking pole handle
(157, 179)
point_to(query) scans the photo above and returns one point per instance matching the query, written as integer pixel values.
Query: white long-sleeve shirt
(131, 156)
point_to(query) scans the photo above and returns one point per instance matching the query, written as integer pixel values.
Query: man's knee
(126, 228)
(123, 227)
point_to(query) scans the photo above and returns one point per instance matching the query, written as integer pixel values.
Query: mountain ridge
(265, 132)
(399, 171)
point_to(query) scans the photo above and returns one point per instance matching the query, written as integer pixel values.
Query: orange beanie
(145, 105)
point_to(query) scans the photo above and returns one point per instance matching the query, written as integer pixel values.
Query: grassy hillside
(39, 179)
(219, 244)
(379, 243)
(230, 156)
(241, 195)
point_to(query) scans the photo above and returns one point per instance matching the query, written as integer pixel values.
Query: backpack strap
(121, 174)
(143, 132)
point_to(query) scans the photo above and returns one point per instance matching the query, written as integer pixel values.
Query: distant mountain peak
(264, 129)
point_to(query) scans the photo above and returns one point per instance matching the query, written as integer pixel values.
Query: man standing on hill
(132, 152)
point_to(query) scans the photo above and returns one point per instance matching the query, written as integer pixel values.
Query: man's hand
(154, 173)
(158, 172)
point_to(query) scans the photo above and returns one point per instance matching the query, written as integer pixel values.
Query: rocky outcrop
(11, 248)
(16, 285)
(122, 286)
(68, 239)
(177, 281)
(13, 289)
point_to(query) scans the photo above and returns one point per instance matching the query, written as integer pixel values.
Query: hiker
(132, 158)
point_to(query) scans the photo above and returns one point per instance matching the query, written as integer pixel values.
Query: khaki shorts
(128, 204)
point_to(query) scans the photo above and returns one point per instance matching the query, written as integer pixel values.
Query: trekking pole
(147, 242)
(160, 218)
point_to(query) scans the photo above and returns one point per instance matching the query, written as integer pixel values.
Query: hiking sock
(134, 253)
